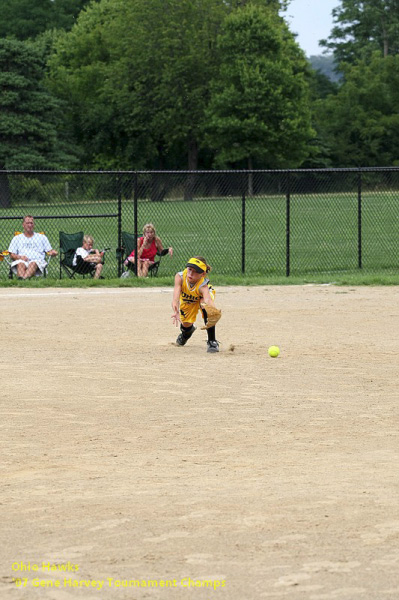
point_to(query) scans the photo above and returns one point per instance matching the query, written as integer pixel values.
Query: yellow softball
(274, 351)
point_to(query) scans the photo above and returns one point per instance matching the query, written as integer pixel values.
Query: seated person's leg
(20, 270)
(145, 267)
(140, 266)
(31, 270)
(129, 263)
(99, 268)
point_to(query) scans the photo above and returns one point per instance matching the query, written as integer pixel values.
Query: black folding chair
(69, 243)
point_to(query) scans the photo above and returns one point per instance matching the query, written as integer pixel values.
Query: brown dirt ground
(186, 475)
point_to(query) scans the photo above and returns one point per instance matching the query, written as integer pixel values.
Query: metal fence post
(288, 227)
(119, 182)
(243, 226)
(359, 220)
(135, 199)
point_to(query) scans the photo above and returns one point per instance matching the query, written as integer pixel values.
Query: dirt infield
(133, 469)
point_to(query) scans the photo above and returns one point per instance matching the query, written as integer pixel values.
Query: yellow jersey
(190, 296)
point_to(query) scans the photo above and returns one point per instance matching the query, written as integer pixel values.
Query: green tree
(81, 71)
(174, 64)
(325, 64)
(23, 19)
(318, 148)
(362, 27)
(276, 5)
(321, 85)
(361, 121)
(66, 12)
(30, 117)
(136, 75)
(259, 107)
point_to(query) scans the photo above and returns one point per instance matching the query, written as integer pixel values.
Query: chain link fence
(290, 222)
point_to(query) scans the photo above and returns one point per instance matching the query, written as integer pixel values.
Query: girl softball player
(192, 288)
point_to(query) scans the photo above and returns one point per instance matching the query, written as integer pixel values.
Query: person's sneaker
(213, 346)
(181, 341)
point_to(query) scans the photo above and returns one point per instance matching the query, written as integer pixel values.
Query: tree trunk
(158, 189)
(250, 177)
(385, 40)
(386, 47)
(192, 166)
(5, 192)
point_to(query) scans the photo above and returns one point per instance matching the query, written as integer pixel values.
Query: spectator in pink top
(147, 248)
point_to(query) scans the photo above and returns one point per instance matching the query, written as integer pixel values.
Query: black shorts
(84, 267)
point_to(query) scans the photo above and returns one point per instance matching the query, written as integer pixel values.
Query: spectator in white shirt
(28, 251)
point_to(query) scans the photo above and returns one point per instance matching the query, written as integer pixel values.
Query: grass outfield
(323, 239)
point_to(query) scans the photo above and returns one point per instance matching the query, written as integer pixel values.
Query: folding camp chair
(5, 255)
(128, 245)
(69, 243)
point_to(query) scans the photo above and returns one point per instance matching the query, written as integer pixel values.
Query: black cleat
(183, 339)
(180, 340)
(213, 346)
